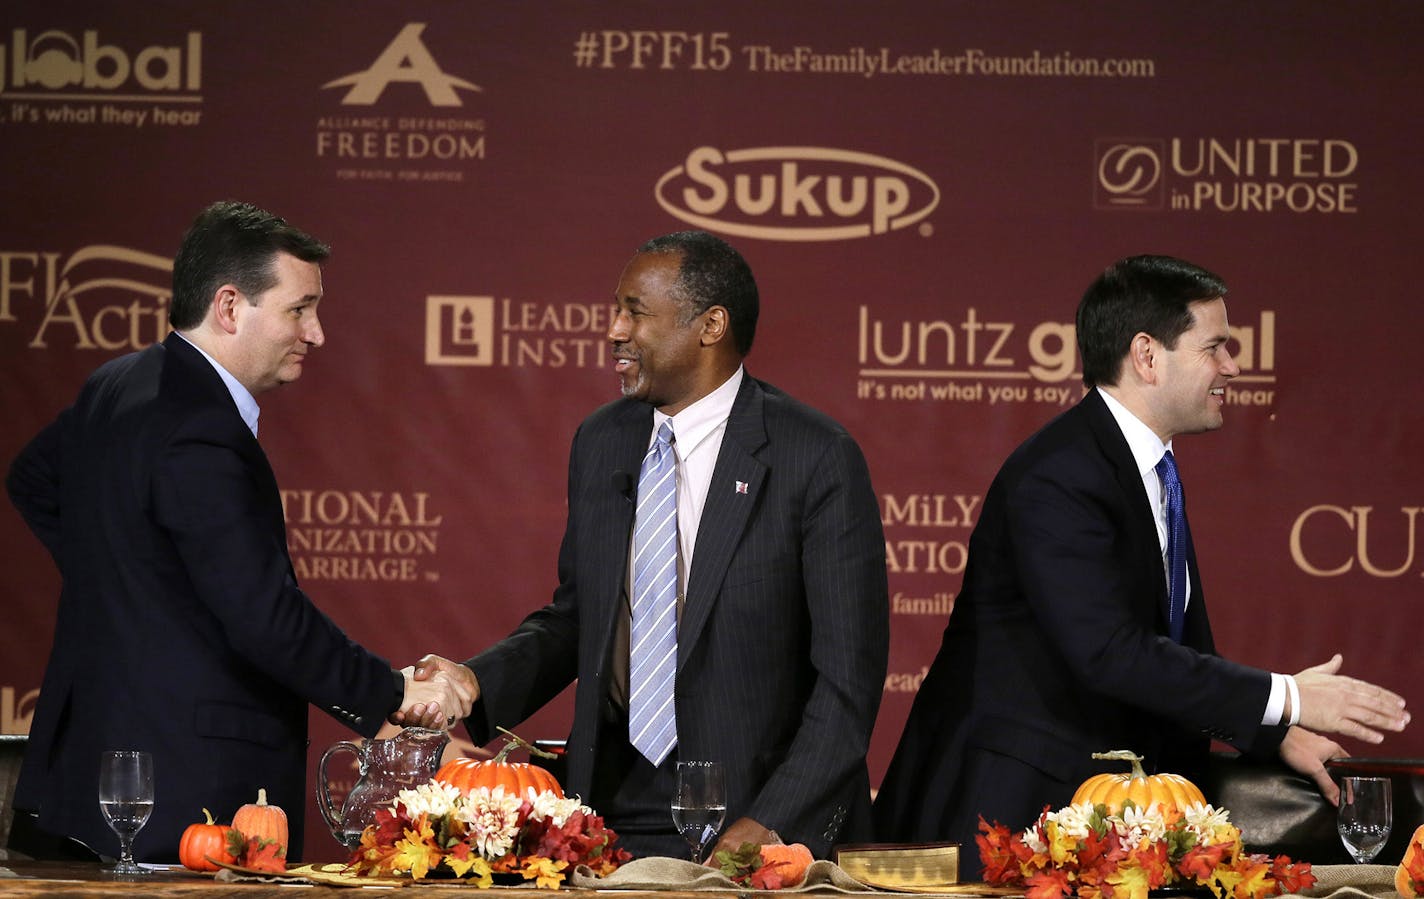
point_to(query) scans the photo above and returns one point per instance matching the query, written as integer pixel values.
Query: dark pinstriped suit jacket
(783, 642)
(1056, 649)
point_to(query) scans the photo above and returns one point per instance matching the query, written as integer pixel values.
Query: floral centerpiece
(1094, 852)
(436, 827)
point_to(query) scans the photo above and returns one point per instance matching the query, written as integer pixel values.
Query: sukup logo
(407, 60)
(796, 193)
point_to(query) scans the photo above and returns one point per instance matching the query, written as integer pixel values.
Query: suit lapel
(1141, 526)
(734, 492)
(199, 383)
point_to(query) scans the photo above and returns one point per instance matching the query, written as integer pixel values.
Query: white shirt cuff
(1282, 685)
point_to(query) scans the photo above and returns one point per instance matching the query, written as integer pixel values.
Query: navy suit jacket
(783, 641)
(1057, 649)
(181, 629)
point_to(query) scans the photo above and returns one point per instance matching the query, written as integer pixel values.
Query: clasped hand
(434, 699)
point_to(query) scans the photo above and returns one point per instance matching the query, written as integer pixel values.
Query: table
(60, 880)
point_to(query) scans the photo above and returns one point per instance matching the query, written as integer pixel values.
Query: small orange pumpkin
(1111, 790)
(794, 859)
(259, 819)
(1409, 876)
(468, 774)
(201, 841)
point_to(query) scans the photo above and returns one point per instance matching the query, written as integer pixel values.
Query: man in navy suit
(1066, 638)
(181, 630)
(782, 614)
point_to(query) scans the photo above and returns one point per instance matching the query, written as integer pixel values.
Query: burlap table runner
(675, 874)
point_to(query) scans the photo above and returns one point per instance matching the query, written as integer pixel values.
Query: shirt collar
(246, 405)
(1147, 448)
(696, 423)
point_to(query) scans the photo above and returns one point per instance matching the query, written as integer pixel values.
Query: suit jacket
(181, 629)
(1057, 649)
(783, 639)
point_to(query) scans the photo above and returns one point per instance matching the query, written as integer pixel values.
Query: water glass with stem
(126, 799)
(699, 804)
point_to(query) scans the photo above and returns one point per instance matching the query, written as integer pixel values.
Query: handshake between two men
(438, 693)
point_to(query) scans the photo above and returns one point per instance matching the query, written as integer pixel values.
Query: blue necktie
(1176, 546)
(652, 721)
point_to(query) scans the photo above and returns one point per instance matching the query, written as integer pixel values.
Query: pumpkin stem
(209, 815)
(1124, 755)
(517, 742)
(261, 795)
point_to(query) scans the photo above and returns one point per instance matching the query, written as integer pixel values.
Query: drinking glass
(1364, 818)
(699, 804)
(126, 799)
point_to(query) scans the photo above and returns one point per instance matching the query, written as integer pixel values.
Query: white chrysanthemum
(1203, 820)
(1140, 824)
(551, 807)
(491, 820)
(1072, 820)
(1033, 839)
(433, 799)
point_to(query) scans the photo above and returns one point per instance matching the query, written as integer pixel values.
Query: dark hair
(232, 243)
(712, 273)
(1148, 294)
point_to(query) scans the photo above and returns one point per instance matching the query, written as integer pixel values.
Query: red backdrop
(923, 189)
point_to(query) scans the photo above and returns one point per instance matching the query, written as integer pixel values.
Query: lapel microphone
(624, 483)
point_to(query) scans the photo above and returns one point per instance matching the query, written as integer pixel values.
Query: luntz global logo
(797, 193)
(54, 77)
(1227, 175)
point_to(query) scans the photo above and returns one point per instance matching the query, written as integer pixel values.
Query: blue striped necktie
(652, 655)
(1176, 545)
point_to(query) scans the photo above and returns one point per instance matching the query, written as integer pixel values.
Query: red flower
(1050, 883)
(1292, 877)
(996, 852)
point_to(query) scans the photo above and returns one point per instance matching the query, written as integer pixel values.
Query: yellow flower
(474, 863)
(1131, 881)
(545, 872)
(417, 853)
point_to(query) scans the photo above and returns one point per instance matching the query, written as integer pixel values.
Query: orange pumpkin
(794, 859)
(469, 774)
(1111, 790)
(201, 841)
(267, 822)
(1409, 876)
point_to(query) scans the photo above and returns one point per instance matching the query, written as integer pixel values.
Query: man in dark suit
(781, 627)
(181, 630)
(1076, 631)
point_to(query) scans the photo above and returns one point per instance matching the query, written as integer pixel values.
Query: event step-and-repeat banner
(923, 189)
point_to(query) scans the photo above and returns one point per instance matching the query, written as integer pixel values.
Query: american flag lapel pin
(741, 486)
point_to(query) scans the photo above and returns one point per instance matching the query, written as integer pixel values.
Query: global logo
(1129, 174)
(796, 193)
(56, 60)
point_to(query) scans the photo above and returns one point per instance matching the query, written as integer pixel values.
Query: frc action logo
(102, 297)
(796, 193)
